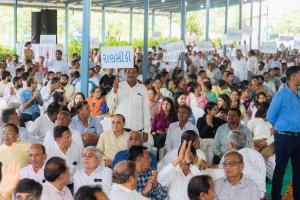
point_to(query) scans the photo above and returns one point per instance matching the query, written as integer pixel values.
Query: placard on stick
(117, 57)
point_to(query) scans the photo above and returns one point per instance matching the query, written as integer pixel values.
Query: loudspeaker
(43, 23)
(35, 27)
(48, 22)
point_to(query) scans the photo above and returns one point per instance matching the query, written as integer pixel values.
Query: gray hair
(122, 171)
(237, 139)
(97, 152)
(235, 153)
(139, 133)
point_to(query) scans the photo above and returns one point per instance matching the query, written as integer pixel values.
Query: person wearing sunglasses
(234, 185)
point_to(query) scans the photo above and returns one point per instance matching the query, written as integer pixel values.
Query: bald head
(63, 118)
(124, 173)
(37, 147)
(37, 156)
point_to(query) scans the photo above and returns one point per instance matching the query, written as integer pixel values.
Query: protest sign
(117, 57)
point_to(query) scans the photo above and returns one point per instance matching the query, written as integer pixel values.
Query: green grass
(286, 180)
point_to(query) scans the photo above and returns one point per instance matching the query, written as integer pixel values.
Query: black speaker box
(43, 23)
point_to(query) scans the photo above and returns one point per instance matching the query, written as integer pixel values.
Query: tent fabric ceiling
(160, 5)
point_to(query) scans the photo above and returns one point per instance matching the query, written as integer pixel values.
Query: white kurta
(176, 182)
(100, 176)
(72, 156)
(28, 172)
(131, 102)
(240, 68)
(50, 192)
(173, 139)
(39, 127)
(119, 192)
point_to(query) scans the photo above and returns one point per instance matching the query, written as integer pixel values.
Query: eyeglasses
(8, 132)
(19, 197)
(230, 163)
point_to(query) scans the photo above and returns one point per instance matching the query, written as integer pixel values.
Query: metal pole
(84, 69)
(240, 14)
(15, 24)
(251, 23)
(226, 22)
(153, 24)
(170, 25)
(259, 24)
(183, 15)
(103, 25)
(207, 26)
(66, 30)
(131, 26)
(145, 56)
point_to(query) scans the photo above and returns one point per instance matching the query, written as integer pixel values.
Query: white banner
(175, 47)
(234, 34)
(247, 30)
(117, 57)
(163, 44)
(205, 46)
(296, 44)
(94, 43)
(286, 38)
(268, 47)
(170, 57)
(46, 40)
(226, 41)
(156, 34)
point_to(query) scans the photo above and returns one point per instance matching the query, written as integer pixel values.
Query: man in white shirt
(57, 64)
(239, 66)
(12, 94)
(69, 88)
(252, 62)
(65, 149)
(275, 63)
(176, 129)
(234, 185)
(188, 135)
(269, 83)
(64, 119)
(35, 170)
(57, 178)
(176, 175)
(130, 99)
(254, 163)
(124, 179)
(93, 173)
(44, 123)
(115, 140)
(5, 82)
(48, 91)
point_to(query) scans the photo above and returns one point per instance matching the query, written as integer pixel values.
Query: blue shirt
(284, 111)
(123, 155)
(94, 125)
(33, 107)
(158, 192)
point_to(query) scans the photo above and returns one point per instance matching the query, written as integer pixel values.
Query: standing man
(130, 99)
(57, 64)
(239, 65)
(284, 115)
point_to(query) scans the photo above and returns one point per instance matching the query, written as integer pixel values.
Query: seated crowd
(200, 132)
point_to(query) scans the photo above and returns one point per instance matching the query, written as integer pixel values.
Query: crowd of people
(214, 129)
